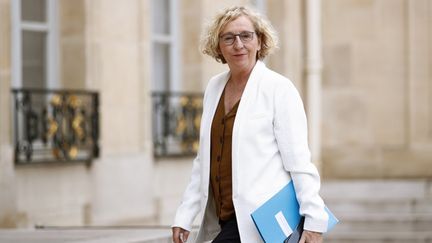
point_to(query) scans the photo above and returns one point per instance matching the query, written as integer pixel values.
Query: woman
(253, 139)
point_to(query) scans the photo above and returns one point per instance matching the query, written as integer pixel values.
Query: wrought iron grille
(55, 125)
(176, 122)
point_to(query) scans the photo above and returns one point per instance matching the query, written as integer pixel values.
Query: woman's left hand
(311, 237)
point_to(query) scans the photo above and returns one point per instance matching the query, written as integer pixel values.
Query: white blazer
(269, 148)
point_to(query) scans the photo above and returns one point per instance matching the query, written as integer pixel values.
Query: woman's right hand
(179, 235)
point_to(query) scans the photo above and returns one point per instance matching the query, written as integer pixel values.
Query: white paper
(283, 224)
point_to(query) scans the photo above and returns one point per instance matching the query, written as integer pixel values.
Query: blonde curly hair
(263, 29)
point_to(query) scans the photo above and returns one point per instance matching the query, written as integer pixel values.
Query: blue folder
(279, 216)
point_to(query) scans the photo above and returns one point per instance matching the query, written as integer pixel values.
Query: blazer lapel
(249, 93)
(213, 95)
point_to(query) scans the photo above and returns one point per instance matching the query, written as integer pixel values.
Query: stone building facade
(375, 100)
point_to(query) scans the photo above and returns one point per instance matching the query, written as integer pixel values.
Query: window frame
(50, 27)
(173, 39)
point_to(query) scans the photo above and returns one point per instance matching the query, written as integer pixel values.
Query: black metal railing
(176, 122)
(55, 125)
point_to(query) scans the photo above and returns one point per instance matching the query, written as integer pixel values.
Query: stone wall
(376, 89)
(377, 110)
(288, 20)
(104, 47)
(117, 66)
(191, 58)
(7, 174)
(72, 44)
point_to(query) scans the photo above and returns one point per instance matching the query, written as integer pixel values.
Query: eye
(246, 35)
(228, 38)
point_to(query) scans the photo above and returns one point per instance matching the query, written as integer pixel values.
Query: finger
(176, 235)
(185, 235)
(302, 239)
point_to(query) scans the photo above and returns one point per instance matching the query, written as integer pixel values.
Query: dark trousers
(229, 232)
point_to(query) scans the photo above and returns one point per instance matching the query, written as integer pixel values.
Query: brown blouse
(220, 161)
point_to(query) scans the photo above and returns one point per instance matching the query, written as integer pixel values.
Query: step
(376, 189)
(384, 222)
(378, 237)
(368, 205)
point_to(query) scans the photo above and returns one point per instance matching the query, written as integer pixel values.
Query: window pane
(33, 10)
(161, 16)
(33, 59)
(161, 68)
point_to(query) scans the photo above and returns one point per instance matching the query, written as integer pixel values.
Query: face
(240, 55)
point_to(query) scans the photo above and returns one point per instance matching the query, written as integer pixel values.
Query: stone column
(313, 76)
(286, 17)
(191, 58)
(118, 61)
(7, 175)
(72, 44)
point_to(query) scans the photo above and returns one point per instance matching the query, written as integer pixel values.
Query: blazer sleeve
(190, 204)
(290, 128)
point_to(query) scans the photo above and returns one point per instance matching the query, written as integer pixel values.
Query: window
(165, 46)
(50, 125)
(175, 113)
(34, 44)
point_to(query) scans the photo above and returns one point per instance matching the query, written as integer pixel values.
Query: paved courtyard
(88, 235)
(376, 211)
